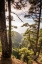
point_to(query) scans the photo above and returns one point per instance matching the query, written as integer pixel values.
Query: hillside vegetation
(16, 39)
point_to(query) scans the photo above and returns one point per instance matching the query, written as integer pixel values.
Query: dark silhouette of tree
(3, 30)
(10, 42)
(35, 13)
(6, 46)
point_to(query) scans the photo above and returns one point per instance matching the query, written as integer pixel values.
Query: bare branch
(17, 16)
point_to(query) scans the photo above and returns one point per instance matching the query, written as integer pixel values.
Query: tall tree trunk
(5, 48)
(10, 42)
(38, 30)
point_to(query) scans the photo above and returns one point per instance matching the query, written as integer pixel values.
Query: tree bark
(35, 51)
(10, 42)
(3, 29)
(5, 47)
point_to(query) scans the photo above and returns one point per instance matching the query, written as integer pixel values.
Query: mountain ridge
(16, 38)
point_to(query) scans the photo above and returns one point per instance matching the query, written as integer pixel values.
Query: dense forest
(25, 48)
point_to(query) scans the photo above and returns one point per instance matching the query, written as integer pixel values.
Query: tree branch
(17, 16)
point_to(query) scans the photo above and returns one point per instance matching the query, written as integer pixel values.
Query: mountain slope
(16, 38)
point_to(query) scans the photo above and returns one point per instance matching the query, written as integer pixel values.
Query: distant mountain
(16, 38)
(22, 34)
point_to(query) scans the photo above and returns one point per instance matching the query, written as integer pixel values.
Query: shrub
(15, 52)
(25, 54)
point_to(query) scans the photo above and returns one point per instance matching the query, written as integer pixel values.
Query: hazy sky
(17, 21)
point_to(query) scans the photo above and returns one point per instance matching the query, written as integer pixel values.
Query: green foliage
(26, 25)
(24, 42)
(30, 38)
(15, 52)
(30, 62)
(40, 33)
(23, 54)
(25, 51)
